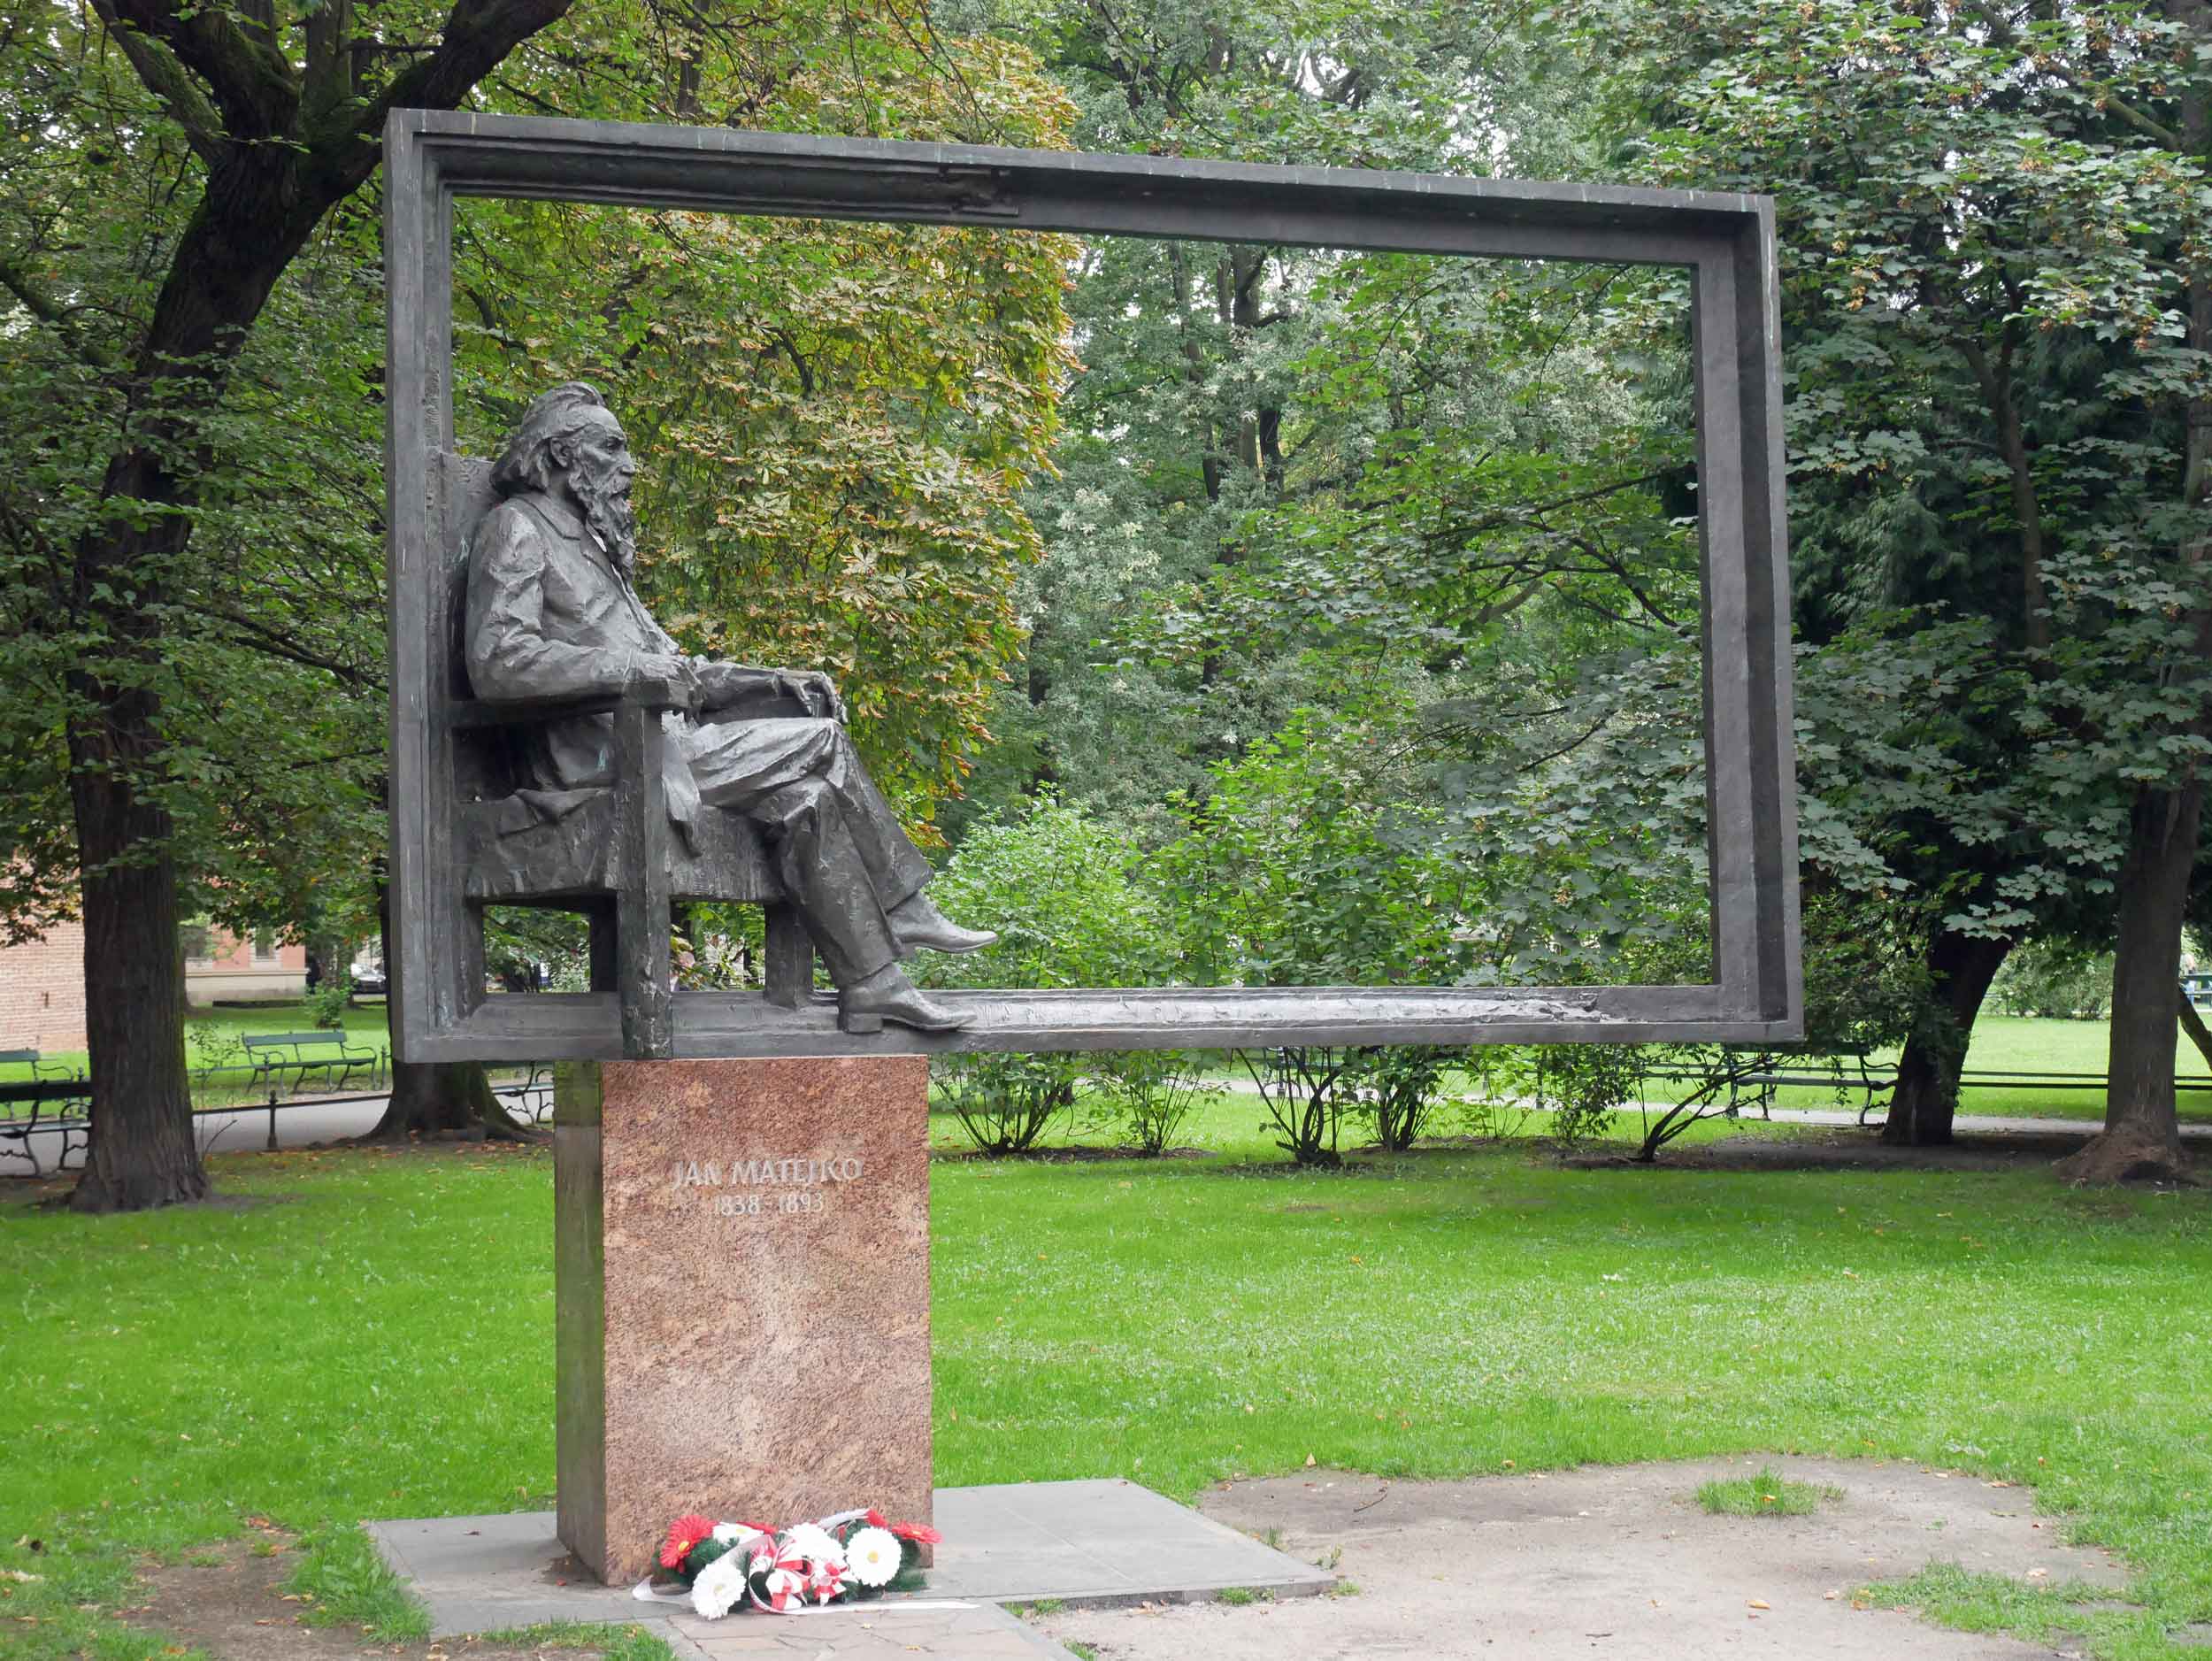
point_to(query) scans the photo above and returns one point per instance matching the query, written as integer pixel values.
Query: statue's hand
(678, 672)
(816, 692)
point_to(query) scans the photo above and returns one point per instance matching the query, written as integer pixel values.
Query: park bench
(60, 1102)
(273, 1054)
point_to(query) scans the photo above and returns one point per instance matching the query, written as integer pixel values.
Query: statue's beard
(607, 512)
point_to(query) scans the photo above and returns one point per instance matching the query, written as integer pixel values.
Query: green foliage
(1984, 273)
(1149, 1094)
(1398, 1087)
(1311, 864)
(2053, 978)
(1062, 890)
(326, 1006)
(1581, 1085)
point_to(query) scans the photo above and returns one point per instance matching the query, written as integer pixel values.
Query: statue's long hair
(552, 416)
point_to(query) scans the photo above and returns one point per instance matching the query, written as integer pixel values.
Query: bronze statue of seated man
(552, 613)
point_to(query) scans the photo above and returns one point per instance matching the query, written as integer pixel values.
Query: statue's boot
(888, 996)
(919, 923)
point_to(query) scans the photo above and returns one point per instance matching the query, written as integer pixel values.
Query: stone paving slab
(1101, 1542)
(1098, 1544)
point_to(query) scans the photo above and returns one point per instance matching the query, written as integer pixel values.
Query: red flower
(920, 1533)
(874, 1518)
(683, 1534)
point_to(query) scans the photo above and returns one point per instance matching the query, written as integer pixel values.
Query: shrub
(2051, 978)
(1059, 887)
(1005, 1101)
(1396, 1087)
(1149, 1093)
(1582, 1086)
(1307, 1090)
(326, 1005)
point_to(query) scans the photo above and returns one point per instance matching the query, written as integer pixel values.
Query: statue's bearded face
(599, 470)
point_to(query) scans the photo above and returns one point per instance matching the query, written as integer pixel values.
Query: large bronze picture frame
(1726, 242)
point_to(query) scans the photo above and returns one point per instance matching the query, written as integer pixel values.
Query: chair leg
(789, 969)
(643, 984)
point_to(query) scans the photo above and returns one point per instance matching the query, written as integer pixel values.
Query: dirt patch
(1067, 1156)
(228, 1601)
(1607, 1561)
(51, 1194)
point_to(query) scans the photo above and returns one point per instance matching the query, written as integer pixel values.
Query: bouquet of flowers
(839, 1559)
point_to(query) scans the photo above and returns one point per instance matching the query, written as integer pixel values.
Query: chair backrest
(482, 768)
(468, 497)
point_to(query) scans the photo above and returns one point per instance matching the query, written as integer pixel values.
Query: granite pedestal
(742, 1257)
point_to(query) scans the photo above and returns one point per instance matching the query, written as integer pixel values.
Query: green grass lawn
(364, 1334)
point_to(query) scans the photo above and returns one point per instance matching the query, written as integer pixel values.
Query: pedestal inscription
(743, 1269)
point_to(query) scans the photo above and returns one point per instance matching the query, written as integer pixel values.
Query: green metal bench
(273, 1054)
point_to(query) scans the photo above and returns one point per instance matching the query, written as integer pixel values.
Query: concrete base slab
(1096, 1544)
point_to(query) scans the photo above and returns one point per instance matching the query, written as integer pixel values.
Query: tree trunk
(2141, 1139)
(142, 1150)
(431, 1096)
(1927, 1094)
(281, 150)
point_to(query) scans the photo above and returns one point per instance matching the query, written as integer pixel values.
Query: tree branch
(477, 37)
(165, 78)
(31, 300)
(250, 81)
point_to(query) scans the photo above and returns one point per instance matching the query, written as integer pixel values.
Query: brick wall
(41, 991)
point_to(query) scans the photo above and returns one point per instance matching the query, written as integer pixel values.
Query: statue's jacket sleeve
(550, 617)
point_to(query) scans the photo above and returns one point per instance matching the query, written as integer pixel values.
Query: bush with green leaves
(2054, 977)
(1312, 864)
(1581, 1085)
(326, 1005)
(1398, 1086)
(1149, 1094)
(1061, 889)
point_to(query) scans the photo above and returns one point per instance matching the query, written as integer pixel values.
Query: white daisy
(720, 1587)
(813, 1543)
(872, 1556)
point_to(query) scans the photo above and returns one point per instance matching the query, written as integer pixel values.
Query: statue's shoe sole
(975, 941)
(862, 1022)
